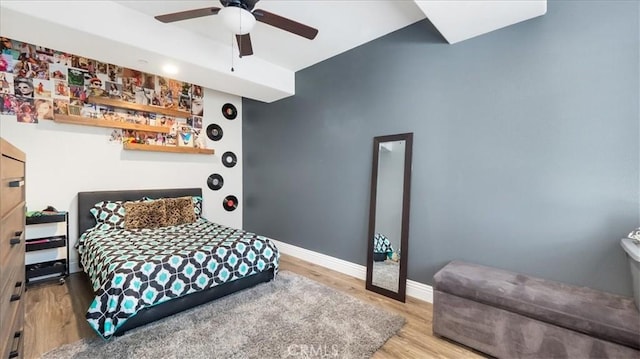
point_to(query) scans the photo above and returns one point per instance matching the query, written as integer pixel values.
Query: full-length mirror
(389, 215)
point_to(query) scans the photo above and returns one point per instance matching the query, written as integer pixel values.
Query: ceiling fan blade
(285, 24)
(189, 14)
(244, 45)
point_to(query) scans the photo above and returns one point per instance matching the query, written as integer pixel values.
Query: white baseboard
(342, 266)
(420, 291)
(74, 267)
(414, 289)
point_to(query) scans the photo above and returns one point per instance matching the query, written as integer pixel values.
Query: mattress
(134, 269)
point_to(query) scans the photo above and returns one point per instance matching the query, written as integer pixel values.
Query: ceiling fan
(240, 17)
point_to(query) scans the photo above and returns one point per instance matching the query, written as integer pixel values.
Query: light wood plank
(174, 149)
(55, 315)
(95, 122)
(137, 107)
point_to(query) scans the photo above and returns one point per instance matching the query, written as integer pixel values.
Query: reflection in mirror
(387, 250)
(389, 215)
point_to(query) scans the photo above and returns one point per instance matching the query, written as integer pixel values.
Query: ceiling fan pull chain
(232, 53)
(240, 40)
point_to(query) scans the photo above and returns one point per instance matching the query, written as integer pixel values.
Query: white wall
(63, 160)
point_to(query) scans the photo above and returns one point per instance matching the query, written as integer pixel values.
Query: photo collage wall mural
(37, 83)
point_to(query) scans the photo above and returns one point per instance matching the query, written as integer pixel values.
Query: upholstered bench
(510, 315)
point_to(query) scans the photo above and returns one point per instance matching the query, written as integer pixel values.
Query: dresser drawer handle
(18, 233)
(19, 183)
(17, 337)
(17, 296)
(14, 241)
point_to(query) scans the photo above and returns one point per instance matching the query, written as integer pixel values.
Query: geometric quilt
(137, 268)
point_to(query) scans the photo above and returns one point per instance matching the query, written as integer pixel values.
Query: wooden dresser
(12, 279)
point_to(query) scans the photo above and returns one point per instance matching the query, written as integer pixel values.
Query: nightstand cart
(47, 248)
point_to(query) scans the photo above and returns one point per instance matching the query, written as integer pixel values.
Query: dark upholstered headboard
(86, 200)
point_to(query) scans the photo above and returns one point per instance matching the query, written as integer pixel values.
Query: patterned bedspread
(134, 269)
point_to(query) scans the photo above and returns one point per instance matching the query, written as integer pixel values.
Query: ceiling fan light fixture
(238, 20)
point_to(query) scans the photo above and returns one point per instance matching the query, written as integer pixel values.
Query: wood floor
(55, 315)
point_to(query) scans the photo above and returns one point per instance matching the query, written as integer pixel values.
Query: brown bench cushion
(603, 315)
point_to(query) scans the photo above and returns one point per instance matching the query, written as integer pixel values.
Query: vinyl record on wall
(230, 203)
(214, 132)
(229, 159)
(215, 181)
(229, 111)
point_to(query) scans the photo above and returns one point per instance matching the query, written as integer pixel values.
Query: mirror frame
(404, 236)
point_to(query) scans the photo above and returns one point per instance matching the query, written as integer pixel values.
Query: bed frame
(86, 200)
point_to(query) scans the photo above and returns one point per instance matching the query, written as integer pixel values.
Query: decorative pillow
(381, 244)
(109, 214)
(197, 204)
(179, 210)
(140, 215)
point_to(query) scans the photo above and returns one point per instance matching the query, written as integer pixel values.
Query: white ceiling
(342, 25)
(125, 33)
(463, 19)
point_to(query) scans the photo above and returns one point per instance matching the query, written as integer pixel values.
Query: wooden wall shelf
(174, 149)
(85, 121)
(137, 107)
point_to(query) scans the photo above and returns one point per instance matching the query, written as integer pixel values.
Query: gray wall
(525, 156)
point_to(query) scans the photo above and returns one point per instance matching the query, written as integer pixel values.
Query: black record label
(230, 203)
(229, 111)
(215, 181)
(214, 132)
(229, 159)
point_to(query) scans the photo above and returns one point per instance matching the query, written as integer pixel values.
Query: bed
(142, 275)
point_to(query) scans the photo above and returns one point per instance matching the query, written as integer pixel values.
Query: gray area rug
(290, 317)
